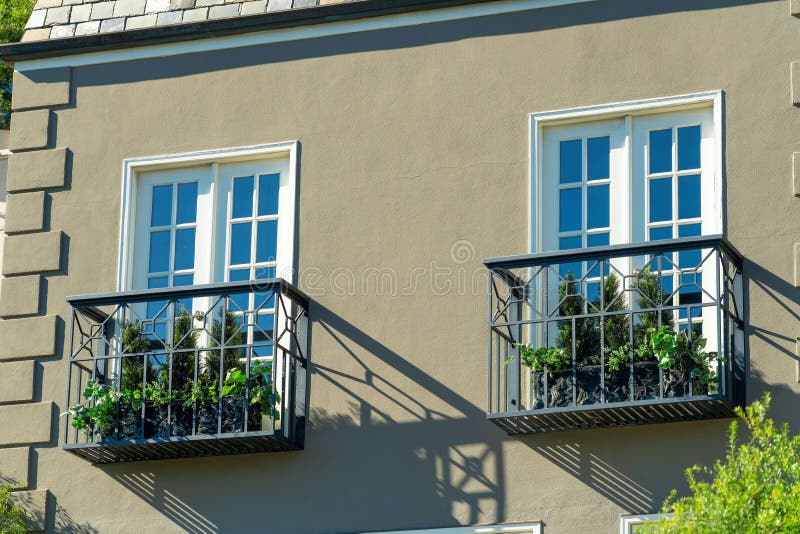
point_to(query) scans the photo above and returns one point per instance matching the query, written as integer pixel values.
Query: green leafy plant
(12, 517)
(204, 391)
(679, 350)
(539, 359)
(671, 350)
(13, 16)
(133, 397)
(618, 356)
(157, 393)
(755, 489)
(97, 412)
(261, 393)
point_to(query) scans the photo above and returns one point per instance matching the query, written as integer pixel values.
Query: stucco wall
(412, 140)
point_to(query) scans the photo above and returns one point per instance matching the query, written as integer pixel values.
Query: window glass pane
(187, 203)
(159, 251)
(265, 272)
(161, 213)
(183, 306)
(184, 249)
(182, 280)
(689, 196)
(689, 148)
(239, 275)
(267, 241)
(660, 148)
(666, 286)
(656, 234)
(243, 197)
(593, 290)
(239, 301)
(240, 243)
(265, 301)
(597, 240)
(660, 233)
(268, 187)
(597, 152)
(661, 200)
(567, 243)
(689, 259)
(263, 329)
(597, 206)
(571, 156)
(689, 230)
(570, 210)
(262, 351)
(153, 307)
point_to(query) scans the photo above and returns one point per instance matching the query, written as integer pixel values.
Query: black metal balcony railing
(616, 335)
(191, 371)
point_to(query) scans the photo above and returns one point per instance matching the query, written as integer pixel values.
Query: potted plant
(552, 363)
(157, 397)
(96, 415)
(204, 397)
(129, 418)
(681, 357)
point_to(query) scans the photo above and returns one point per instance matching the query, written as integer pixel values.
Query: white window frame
(515, 528)
(133, 167)
(538, 121)
(627, 523)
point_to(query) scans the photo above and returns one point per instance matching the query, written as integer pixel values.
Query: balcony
(615, 336)
(191, 371)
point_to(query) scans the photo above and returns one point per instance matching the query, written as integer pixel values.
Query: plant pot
(181, 418)
(104, 433)
(232, 416)
(559, 387)
(618, 384)
(155, 421)
(129, 422)
(165, 421)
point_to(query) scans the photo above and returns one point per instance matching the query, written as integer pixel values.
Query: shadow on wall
(40, 517)
(405, 451)
(535, 20)
(392, 460)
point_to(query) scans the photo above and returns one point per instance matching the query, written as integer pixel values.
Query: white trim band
(293, 34)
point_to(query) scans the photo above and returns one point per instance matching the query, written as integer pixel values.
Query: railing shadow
(381, 432)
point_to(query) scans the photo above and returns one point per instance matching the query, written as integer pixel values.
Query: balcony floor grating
(109, 452)
(613, 415)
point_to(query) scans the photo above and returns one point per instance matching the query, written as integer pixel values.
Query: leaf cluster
(755, 489)
(12, 517)
(13, 16)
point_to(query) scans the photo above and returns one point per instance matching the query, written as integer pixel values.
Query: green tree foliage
(13, 16)
(754, 490)
(587, 330)
(134, 342)
(12, 517)
(233, 335)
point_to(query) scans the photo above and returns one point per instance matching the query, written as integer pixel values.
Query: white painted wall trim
(539, 120)
(628, 522)
(517, 528)
(294, 34)
(132, 166)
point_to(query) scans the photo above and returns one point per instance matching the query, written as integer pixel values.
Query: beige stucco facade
(413, 139)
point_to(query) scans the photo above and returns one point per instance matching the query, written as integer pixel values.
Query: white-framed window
(515, 528)
(209, 217)
(629, 524)
(206, 217)
(627, 173)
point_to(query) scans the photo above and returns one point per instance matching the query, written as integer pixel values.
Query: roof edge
(362, 9)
